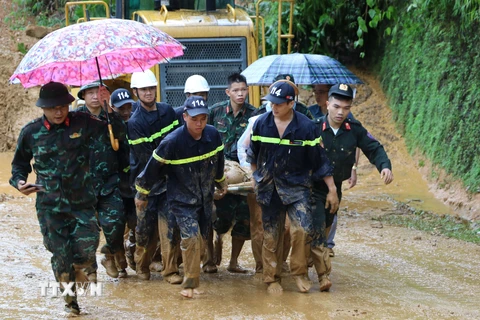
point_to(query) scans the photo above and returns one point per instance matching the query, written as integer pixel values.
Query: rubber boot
(108, 261)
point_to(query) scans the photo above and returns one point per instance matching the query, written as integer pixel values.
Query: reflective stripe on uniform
(155, 135)
(220, 180)
(187, 160)
(126, 169)
(141, 190)
(286, 142)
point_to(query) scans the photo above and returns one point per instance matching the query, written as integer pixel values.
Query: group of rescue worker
(162, 191)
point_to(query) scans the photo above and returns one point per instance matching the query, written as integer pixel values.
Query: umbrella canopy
(305, 69)
(68, 55)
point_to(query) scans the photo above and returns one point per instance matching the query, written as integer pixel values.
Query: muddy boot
(122, 273)
(129, 254)
(92, 277)
(324, 282)
(142, 261)
(108, 261)
(72, 308)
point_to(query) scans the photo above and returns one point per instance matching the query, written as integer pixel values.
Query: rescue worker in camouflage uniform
(230, 118)
(341, 136)
(104, 168)
(192, 159)
(149, 125)
(59, 144)
(121, 102)
(285, 156)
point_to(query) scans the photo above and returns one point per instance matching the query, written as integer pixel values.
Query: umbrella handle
(113, 141)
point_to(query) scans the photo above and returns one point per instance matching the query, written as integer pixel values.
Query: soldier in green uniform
(341, 137)
(230, 118)
(104, 168)
(59, 144)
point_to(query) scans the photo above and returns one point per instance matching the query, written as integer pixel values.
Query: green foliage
(21, 47)
(446, 225)
(43, 12)
(429, 73)
(331, 27)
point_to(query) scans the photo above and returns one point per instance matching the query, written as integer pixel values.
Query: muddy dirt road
(379, 272)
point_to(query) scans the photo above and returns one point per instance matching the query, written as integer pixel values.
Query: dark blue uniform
(341, 149)
(283, 180)
(192, 166)
(146, 129)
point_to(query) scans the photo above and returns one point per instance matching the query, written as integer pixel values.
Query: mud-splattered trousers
(192, 167)
(232, 209)
(285, 168)
(340, 149)
(105, 164)
(66, 209)
(146, 129)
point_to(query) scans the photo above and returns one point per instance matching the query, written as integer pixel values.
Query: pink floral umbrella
(69, 55)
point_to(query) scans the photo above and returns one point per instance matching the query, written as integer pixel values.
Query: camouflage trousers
(111, 218)
(72, 238)
(273, 219)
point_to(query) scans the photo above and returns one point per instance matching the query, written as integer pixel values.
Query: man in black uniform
(341, 137)
(192, 158)
(148, 126)
(285, 155)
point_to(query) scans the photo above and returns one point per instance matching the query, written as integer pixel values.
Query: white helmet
(196, 83)
(143, 79)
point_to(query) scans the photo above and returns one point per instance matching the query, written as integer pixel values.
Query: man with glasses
(230, 118)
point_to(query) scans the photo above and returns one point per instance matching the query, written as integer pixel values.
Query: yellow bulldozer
(219, 39)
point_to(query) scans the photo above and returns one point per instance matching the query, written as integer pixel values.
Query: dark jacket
(192, 167)
(341, 148)
(61, 160)
(288, 164)
(146, 129)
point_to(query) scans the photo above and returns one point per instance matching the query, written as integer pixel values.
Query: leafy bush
(429, 74)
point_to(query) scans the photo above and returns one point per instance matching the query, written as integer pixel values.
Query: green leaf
(371, 3)
(359, 33)
(362, 24)
(372, 13)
